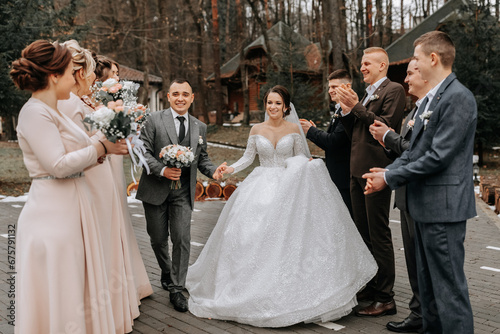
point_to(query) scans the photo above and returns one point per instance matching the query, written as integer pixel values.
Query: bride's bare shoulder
(256, 129)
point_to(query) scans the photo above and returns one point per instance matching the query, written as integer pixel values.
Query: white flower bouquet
(176, 156)
(119, 115)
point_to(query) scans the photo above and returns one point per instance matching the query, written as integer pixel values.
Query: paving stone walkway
(482, 266)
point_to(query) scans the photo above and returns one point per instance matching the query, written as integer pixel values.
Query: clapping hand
(378, 130)
(347, 98)
(306, 125)
(374, 180)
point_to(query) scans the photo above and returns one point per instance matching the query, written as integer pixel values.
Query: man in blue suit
(437, 169)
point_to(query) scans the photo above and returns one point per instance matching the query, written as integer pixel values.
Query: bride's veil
(294, 118)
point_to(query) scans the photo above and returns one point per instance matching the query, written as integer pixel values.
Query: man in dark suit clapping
(384, 100)
(437, 169)
(334, 140)
(395, 145)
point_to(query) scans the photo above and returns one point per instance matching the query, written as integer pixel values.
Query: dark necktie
(182, 128)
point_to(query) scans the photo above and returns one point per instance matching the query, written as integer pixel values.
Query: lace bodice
(288, 146)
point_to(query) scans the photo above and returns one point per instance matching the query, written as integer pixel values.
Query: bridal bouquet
(119, 116)
(176, 156)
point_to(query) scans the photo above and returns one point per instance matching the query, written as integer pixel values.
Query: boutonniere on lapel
(425, 117)
(374, 97)
(200, 140)
(410, 124)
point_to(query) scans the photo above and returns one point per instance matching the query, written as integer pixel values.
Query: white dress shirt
(177, 123)
(371, 89)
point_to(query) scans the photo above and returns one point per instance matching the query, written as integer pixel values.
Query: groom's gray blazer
(437, 167)
(159, 131)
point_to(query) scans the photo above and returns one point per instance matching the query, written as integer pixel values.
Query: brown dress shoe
(376, 309)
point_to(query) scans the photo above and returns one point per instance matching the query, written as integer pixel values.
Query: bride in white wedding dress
(285, 249)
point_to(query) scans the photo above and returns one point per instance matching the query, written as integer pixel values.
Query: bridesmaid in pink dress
(106, 69)
(125, 299)
(61, 283)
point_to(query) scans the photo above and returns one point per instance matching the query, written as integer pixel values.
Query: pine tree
(21, 23)
(476, 35)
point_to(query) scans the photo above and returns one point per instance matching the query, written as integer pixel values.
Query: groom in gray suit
(437, 169)
(169, 210)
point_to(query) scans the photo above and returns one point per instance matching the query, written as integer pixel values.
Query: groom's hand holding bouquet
(175, 157)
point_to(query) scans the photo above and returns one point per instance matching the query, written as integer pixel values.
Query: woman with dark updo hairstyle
(60, 268)
(106, 69)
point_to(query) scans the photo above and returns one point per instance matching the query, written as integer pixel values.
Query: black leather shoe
(179, 301)
(408, 325)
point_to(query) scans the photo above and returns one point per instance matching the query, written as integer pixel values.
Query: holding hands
(374, 180)
(221, 170)
(347, 98)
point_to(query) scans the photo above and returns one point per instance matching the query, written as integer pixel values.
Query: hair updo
(82, 58)
(103, 67)
(39, 60)
(285, 95)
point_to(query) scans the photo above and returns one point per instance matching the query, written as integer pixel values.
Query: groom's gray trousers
(171, 217)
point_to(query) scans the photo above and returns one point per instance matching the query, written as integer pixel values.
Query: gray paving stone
(158, 315)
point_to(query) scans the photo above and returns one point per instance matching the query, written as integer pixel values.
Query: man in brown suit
(384, 100)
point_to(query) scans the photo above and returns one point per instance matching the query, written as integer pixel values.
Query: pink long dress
(121, 253)
(61, 282)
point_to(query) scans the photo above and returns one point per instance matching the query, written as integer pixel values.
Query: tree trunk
(362, 37)
(402, 17)
(216, 50)
(243, 67)
(164, 47)
(336, 34)
(201, 104)
(369, 23)
(379, 18)
(388, 24)
(145, 96)
(480, 153)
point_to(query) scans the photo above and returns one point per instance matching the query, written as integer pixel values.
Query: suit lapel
(194, 132)
(405, 128)
(419, 126)
(376, 92)
(168, 121)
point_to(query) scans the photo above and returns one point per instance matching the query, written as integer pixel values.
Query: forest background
(193, 38)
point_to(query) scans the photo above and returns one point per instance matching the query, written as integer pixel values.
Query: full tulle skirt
(285, 250)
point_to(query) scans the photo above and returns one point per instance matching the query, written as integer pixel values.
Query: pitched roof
(127, 73)
(401, 50)
(277, 34)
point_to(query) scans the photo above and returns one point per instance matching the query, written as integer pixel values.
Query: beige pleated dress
(124, 265)
(61, 281)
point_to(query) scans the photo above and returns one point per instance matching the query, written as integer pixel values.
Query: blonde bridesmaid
(107, 201)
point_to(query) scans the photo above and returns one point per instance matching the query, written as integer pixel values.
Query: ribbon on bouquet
(136, 151)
